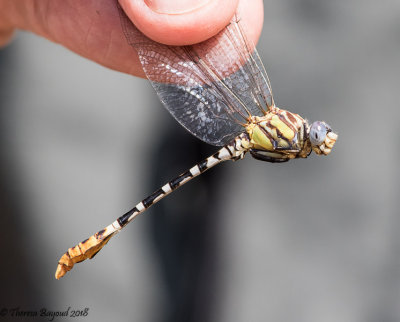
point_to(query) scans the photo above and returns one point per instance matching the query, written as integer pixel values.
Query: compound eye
(318, 133)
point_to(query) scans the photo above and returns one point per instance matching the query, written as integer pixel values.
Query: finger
(184, 22)
(93, 30)
(6, 36)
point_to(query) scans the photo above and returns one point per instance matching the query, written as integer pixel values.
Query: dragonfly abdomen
(88, 248)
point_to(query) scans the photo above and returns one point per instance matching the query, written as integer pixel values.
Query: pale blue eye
(318, 132)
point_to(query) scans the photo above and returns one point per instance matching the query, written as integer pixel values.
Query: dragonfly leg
(273, 157)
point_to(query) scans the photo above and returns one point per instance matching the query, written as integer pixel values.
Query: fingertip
(180, 24)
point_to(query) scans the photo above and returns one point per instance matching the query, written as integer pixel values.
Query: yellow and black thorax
(278, 136)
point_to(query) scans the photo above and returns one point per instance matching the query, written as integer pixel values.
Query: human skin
(91, 28)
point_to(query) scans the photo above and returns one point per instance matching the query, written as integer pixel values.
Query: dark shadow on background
(184, 226)
(16, 283)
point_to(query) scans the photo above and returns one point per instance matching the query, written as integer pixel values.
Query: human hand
(92, 29)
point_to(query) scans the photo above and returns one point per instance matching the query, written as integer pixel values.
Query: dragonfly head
(321, 137)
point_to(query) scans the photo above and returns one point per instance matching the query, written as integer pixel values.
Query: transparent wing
(211, 88)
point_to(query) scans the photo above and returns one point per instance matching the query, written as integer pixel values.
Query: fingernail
(174, 7)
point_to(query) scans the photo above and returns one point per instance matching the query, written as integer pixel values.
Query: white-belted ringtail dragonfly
(220, 92)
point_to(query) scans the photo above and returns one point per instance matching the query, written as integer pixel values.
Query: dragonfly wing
(211, 88)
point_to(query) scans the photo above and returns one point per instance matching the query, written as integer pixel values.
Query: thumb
(185, 22)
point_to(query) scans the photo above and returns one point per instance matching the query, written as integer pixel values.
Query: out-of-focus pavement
(309, 240)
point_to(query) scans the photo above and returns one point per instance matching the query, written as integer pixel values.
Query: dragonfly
(220, 92)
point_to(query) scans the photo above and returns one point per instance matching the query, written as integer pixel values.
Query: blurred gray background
(309, 240)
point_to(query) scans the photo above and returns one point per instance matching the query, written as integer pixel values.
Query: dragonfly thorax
(278, 136)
